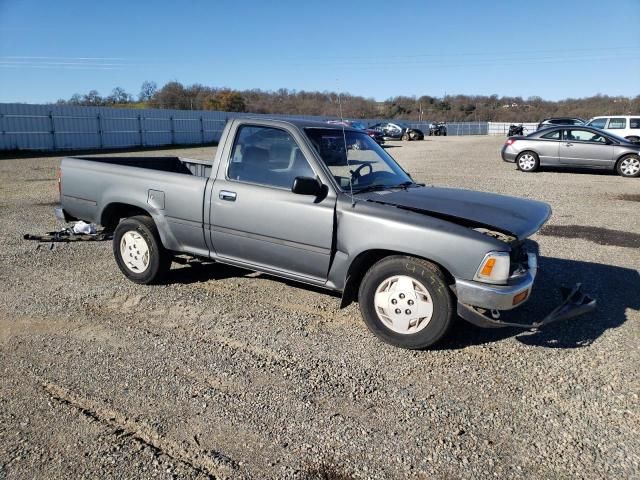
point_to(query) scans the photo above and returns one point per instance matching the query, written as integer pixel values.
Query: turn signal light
(521, 297)
(488, 267)
(494, 268)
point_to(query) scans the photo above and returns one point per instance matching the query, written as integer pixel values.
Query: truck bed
(186, 166)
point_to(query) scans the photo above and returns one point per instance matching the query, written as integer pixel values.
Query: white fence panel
(63, 127)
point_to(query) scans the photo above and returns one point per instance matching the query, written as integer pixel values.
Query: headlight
(494, 268)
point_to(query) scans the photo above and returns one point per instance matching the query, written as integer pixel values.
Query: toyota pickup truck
(323, 205)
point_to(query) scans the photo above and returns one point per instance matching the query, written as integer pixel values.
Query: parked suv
(627, 126)
(552, 122)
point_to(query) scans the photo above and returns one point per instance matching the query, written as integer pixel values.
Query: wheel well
(528, 151)
(364, 261)
(621, 157)
(113, 212)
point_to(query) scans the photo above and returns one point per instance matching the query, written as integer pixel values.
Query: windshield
(366, 164)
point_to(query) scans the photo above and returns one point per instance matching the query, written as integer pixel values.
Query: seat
(254, 167)
(280, 155)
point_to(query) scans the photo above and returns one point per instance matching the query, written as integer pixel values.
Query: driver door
(585, 148)
(257, 220)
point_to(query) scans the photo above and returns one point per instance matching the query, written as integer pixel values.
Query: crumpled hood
(517, 216)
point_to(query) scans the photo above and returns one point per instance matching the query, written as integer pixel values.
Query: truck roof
(302, 124)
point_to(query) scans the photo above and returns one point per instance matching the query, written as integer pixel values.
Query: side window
(618, 123)
(598, 123)
(634, 123)
(552, 135)
(584, 136)
(267, 156)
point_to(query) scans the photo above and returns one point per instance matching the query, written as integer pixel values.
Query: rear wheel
(528, 162)
(405, 301)
(629, 166)
(138, 250)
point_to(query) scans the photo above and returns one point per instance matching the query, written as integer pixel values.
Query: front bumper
(575, 303)
(482, 304)
(495, 297)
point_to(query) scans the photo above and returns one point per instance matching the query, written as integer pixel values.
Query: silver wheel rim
(403, 304)
(630, 166)
(134, 251)
(527, 162)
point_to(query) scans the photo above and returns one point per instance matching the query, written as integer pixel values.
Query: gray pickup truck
(323, 205)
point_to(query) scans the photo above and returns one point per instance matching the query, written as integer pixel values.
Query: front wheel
(629, 166)
(138, 250)
(528, 162)
(405, 137)
(405, 301)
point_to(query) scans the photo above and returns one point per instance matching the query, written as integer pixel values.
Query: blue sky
(554, 49)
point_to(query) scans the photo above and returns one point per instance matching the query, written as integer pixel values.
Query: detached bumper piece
(66, 235)
(575, 303)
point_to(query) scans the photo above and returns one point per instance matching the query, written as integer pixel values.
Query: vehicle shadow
(615, 288)
(580, 171)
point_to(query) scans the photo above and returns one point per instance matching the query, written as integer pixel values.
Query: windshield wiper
(373, 188)
(370, 188)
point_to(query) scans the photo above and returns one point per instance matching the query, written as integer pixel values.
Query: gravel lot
(227, 373)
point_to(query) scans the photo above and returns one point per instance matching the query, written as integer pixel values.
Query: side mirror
(306, 186)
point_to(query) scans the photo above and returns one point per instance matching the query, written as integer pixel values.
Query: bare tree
(147, 91)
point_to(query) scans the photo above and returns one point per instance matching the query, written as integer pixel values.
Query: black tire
(523, 161)
(431, 278)
(159, 260)
(625, 166)
(405, 137)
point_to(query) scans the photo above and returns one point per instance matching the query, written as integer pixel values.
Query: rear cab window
(634, 123)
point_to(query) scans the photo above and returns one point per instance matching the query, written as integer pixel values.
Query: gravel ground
(227, 373)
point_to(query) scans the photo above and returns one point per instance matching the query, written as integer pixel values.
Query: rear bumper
(508, 155)
(62, 215)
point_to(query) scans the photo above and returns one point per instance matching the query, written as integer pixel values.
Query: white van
(627, 126)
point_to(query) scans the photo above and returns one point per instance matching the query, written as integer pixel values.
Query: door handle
(569, 144)
(228, 196)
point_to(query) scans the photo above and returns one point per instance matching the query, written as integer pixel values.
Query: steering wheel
(356, 174)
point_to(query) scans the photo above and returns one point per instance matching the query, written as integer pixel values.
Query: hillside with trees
(450, 108)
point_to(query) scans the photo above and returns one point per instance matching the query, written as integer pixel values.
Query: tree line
(450, 108)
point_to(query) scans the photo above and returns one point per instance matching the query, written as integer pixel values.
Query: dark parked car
(550, 122)
(398, 131)
(568, 146)
(438, 129)
(376, 135)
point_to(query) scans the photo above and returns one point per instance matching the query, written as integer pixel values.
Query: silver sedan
(573, 146)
